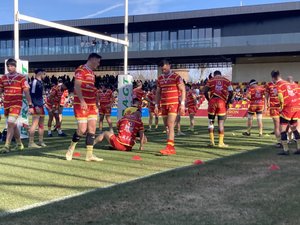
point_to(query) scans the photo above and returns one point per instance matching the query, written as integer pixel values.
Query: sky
(54, 10)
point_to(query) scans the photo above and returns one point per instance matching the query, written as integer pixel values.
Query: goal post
(18, 16)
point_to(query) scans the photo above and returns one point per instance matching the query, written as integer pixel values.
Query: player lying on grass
(129, 127)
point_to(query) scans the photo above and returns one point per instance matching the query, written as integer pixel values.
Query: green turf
(35, 176)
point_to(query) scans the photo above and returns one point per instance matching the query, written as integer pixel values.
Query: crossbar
(72, 29)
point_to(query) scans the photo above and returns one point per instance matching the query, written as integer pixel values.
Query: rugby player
(219, 92)
(52, 105)
(104, 101)
(36, 93)
(272, 103)
(129, 127)
(192, 105)
(256, 95)
(85, 108)
(139, 93)
(291, 139)
(289, 98)
(12, 86)
(63, 101)
(170, 84)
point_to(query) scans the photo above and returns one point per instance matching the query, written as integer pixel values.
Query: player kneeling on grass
(129, 127)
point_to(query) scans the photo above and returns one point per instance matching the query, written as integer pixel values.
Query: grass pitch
(219, 192)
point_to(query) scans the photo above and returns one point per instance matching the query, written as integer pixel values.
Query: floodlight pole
(126, 39)
(16, 30)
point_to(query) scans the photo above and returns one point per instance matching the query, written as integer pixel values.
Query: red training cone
(198, 162)
(76, 154)
(274, 167)
(136, 158)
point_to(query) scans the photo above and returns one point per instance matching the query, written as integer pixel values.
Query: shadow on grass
(224, 191)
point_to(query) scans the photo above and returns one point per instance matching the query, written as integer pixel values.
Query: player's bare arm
(266, 106)
(281, 100)
(206, 92)
(97, 101)
(230, 99)
(267, 102)
(28, 98)
(230, 95)
(142, 140)
(181, 88)
(157, 99)
(112, 100)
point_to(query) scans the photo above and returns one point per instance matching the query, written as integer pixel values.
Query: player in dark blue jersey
(36, 93)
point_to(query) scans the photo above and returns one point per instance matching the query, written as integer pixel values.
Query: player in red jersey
(289, 98)
(290, 79)
(218, 92)
(12, 86)
(104, 101)
(52, 104)
(170, 84)
(85, 108)
(150, 98)
(272, 103)
(256, 95)
(192, 105)
(129, 127)
(139, 93)
(63, 101)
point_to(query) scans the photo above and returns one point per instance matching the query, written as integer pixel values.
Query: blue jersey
(36, 92)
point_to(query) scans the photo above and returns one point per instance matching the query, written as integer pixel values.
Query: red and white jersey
(256, 95)
(169, 85)
(55, 96)
(88, 89)
(13, 86)
(105, 97)
(191, 98)
(290, 93)
(219, 86)
(271, 89)
(129, 126)
(64, 97)
(138, 93)
(151, 99)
